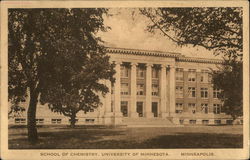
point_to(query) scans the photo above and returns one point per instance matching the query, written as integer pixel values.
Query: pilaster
(133, 113)
(163, 85)
(117, 93)
(172, 90)
(149, 113)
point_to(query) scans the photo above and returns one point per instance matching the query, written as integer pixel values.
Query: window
(179, 92)
(229, 121)
(124, 72)
(192, 107)
(204, 108)
(191, 75)
(216, 93)
(204, 76)
(124, 108)
(192, 121)
(155, 73)
(204, 92)
(217, 109)
(20, 120)
(155, 89)
(179, 74)
(89, 120)
(140, 89)
(205, 121)
(140, 73)
(178, 108)
(56, 121)
(124, 89)
(191, 92)
(217, 121)
(39, 121)
(181, 121)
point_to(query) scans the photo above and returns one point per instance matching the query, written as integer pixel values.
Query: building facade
(151, 88)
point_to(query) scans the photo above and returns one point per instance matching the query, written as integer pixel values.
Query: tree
(79, 91)
(50, 50)
(229, 78)
(217, 29)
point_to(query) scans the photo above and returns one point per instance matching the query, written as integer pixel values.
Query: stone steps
(147, 122)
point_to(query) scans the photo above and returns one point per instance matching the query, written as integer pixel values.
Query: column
(133, 114)
(172, 90)
(163, 85)
(107, 105)
(101, 108)
(117, 93)
(148, 112)
(108, 98)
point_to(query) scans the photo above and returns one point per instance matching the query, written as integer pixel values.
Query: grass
(82, 137)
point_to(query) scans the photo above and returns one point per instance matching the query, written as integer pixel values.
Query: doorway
(155, 109)
(139, 108)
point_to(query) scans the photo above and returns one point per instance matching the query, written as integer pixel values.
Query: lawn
(62, 137)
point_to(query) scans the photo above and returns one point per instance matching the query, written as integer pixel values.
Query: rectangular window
(155, 73)
(192, 108)
(140, 89)
(20, 120)
(229, 121)
(124, 89)
(179, 92)
(56, 121)
(39, 121)
(217, 121)
(192, 121)
(89, 120)
(191, 92)
(204, 92)
(179, 74)
(191, 75)
(217, 108)
(216, 93)
(204, 108)
(155, 89)
(205, 121)
(181, 121)
(178, 108)
(124, 72)
(140, 73)
(204, 76)
(124, 108)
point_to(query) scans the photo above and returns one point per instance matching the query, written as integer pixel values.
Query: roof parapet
(178, 56)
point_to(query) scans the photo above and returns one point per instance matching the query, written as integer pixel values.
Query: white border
(172, 153)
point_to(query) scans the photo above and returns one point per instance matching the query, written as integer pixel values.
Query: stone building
(152, 88)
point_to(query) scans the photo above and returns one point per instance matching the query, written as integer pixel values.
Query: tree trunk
(73, 120)
(31, 125)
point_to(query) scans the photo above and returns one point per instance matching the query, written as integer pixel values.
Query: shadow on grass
(66, 139)
(180, 141)
(196, 140)
(93, 139)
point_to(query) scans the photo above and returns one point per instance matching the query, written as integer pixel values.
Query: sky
(129, 31)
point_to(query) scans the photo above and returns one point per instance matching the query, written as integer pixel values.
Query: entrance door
(124, 108)
(139, 108)
(155, 109)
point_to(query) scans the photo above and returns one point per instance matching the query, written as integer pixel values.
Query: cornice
(142, 52)
(199, 60)
(178, 57)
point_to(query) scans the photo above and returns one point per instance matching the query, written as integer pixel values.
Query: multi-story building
(152, 88)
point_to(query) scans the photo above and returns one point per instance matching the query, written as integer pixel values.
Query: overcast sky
(129, 31)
